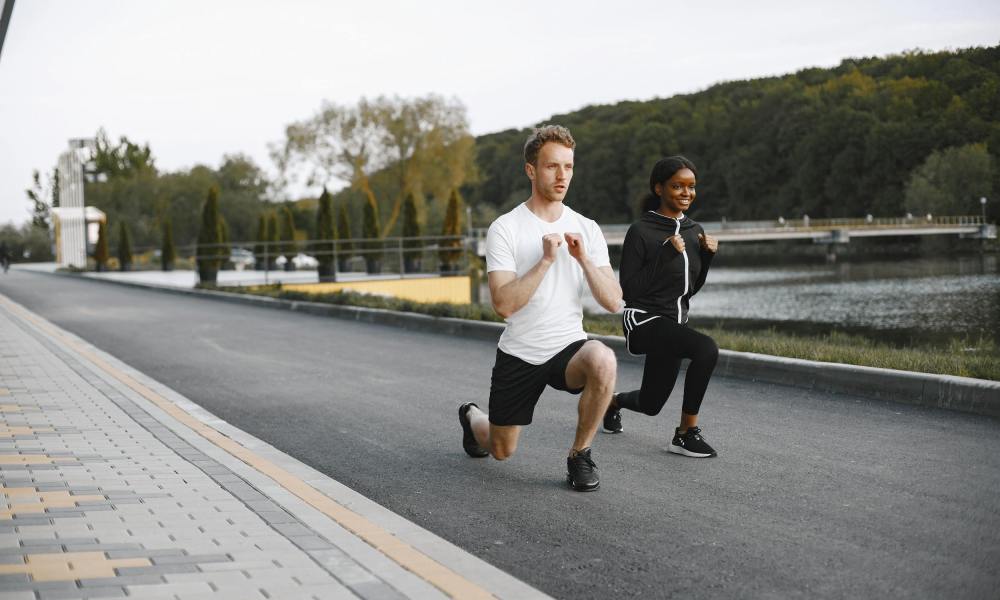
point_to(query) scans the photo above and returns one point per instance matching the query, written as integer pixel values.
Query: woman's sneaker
(469, 443)
(690, 443)
(581, 472)
(613, 420)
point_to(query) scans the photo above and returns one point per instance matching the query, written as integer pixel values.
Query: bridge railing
(807, 224)
(617, 231)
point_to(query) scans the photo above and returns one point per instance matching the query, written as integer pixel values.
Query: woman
(665, 259)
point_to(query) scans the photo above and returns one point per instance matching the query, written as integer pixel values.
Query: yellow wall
(424, 289)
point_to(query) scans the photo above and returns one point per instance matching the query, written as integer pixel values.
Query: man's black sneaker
(469, 443)
(690, 443)
(581, 472)
(613, 420)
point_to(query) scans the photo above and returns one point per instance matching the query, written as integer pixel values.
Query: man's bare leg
(500, 440)
(595, 369)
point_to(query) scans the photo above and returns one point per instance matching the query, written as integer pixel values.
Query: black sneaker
(469, 443)
(613, 420)
(690, 443)
(581, 472)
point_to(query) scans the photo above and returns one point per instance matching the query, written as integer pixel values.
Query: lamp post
(982, 203)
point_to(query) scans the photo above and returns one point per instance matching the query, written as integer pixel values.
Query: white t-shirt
(553, 317)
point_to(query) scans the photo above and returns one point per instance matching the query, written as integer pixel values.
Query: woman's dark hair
(663, 170)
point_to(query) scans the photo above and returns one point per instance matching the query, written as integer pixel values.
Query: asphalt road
(813, 495)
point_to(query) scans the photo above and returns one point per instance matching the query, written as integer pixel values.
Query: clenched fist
(550, 246)
(574, 243)
(677, 242)
(708, 243)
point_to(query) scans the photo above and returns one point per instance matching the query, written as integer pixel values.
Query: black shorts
(516, 385)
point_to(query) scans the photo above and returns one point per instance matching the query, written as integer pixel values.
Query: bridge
(820, 231)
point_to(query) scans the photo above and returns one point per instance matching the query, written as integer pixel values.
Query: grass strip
(977, 358)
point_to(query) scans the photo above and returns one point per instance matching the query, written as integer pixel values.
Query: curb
(965, 394)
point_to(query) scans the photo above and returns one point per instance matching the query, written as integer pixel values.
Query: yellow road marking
(441, 577)
(67, 566)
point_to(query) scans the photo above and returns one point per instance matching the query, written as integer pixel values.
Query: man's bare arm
(509, 292)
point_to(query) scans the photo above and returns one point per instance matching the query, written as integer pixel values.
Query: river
(897, 301)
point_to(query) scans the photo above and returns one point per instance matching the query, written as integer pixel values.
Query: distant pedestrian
(665, 259)
(540, 257)
(4, 256)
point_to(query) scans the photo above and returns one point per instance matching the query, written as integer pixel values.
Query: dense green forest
(841, 142)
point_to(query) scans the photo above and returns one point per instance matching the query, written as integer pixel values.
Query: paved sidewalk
(114, 485)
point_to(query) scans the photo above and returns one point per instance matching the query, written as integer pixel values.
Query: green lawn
(967, 358)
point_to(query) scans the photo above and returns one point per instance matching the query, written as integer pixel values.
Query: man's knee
(601, 363)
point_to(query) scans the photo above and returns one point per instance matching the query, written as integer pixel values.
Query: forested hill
(841, 142)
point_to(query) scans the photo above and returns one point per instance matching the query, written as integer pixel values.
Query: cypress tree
(124, 247)
(287, 234)
(224, 250)
(370, 229)
(325, 235)
(101, 248)
(258, 248)
(411, 229)
(344, 233)
(168, 254)
(451, 252)
(272, 237)
(209, 248)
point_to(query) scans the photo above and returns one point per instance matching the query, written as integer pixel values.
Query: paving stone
(98, 592)
(202, 527)
(126, 580)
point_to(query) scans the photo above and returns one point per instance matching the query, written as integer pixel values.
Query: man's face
(552, 172)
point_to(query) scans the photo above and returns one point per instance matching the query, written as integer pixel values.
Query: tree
(40, 210)
(287, 237)
(124, 247)
(209, 248)
(371, 246)
(260, 249)
(101, 248)
(325, 236)
(423, 143)
(272, 238)
(951, 181)
(168, 254)
(344, 236)
(120, 160)
(411, 229)
(451, 252)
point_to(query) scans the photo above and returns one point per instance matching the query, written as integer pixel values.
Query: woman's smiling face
(677, 194)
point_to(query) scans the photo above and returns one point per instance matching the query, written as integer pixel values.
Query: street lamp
(982, 202)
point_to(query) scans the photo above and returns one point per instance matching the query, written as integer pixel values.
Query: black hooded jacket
(652, 271)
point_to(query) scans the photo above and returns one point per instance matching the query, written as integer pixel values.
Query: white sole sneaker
(686, 452)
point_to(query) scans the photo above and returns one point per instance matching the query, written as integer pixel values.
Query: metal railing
(361, 257)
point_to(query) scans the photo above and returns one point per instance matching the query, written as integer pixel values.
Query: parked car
(241, 258)
(301, 261)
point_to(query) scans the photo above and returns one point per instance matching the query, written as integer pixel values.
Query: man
(538, 257)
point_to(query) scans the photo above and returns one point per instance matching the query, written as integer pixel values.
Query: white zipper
(687, 274)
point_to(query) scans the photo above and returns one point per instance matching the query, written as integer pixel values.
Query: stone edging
(966, 394)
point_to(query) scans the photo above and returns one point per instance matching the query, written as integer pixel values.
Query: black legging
(665, 343)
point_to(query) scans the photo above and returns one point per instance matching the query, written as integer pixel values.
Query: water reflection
(896, 300)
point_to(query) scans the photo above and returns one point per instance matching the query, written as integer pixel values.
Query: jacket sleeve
(638, 272)
(706, 262)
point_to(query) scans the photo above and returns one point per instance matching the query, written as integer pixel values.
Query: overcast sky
(198, 79)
